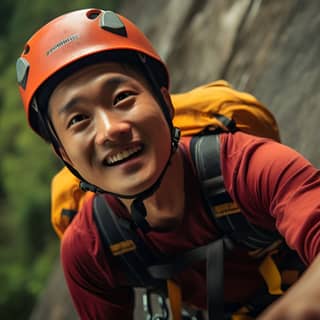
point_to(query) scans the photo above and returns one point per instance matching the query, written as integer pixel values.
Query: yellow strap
(175, 298)
(271, 275)
(122, 247)
(225, 209)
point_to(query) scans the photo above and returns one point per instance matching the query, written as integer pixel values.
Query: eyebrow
(109, 84)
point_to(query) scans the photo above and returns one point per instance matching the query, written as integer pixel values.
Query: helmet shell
(75, 36)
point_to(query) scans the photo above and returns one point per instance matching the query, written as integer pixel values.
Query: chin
(128, 192)
(133, 184)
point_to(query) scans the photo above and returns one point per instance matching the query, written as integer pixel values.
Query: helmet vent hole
(93, 14)
(26, 49)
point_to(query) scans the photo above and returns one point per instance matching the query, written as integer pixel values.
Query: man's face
(111, 128)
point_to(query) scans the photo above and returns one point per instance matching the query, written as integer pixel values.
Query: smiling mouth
(123, 156)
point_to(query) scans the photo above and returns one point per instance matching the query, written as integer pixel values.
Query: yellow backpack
(66, 199)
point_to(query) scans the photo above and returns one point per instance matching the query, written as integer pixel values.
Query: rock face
(269, 48)
(55, 302)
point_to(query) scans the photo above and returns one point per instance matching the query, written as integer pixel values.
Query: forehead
(101, 69)
(112, 74)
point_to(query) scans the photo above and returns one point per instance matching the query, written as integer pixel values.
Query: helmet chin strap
(138, 210)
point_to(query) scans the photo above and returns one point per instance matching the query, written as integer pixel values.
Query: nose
(111, 128)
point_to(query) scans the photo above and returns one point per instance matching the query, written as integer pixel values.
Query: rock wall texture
(267, 47)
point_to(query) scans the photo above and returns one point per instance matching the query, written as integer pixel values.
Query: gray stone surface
(267, 47)
(276, 60)
(55, 302)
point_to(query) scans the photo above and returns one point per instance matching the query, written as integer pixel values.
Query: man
(93, 86)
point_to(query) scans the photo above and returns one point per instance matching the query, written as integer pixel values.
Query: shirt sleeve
(87, 269)
(275, 186)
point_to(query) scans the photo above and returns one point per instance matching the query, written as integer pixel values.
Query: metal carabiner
(164, 315)
(147, 307)
(164, 309)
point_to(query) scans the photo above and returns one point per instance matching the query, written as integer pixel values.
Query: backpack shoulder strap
(121, 238)
(205, 152)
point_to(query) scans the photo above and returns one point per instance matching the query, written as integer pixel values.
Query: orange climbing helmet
(75, 39)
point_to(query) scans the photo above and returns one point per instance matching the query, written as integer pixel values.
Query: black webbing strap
(113, 230)
(215, 280)
(69, 213)
(185, 260)
(228, 123)
(205, 151)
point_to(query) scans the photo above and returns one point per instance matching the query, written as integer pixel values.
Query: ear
(167, 99)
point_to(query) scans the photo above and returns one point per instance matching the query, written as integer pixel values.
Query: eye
(122, 96)
(76, 119)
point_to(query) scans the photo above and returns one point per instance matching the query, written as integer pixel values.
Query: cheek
(150, 112)
(160, 138)
(157, 126)
(76, 149)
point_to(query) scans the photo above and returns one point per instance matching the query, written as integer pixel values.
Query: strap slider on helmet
(34, 105)
(111, 22)
(175, 137)
(22, 68)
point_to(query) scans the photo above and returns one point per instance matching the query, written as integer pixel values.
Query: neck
(165, 207)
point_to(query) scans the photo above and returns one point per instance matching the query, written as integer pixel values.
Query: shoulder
(82, 252)
(241, 146)
(240, 151)
(92, 276)
(239, 142)
(81, 237)
(260, 173)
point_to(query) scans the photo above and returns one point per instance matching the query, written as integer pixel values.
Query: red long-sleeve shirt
(274, 186)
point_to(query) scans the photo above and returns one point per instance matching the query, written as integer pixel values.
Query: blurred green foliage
(28, 245)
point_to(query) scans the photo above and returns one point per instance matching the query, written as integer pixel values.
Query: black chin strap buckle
(138, 212)
(85, 186)
(175, 138)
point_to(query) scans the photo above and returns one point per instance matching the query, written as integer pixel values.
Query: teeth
(122, 155)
